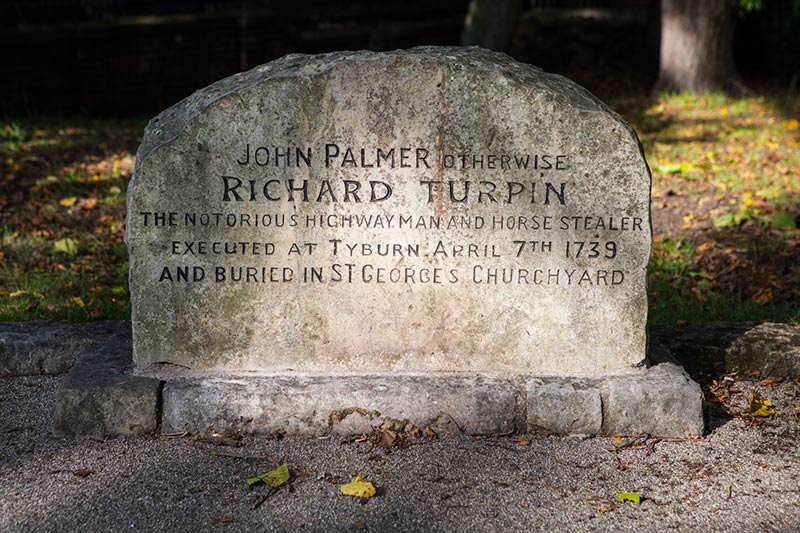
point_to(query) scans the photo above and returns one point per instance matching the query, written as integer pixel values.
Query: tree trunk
(697, 47)
(492, 23)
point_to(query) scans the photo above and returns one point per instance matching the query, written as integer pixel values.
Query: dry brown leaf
(770, 382)
(388, 438)
(88, 203)
(763, 296)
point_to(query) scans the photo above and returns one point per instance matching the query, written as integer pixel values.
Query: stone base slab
(661, 400)
(102, 398)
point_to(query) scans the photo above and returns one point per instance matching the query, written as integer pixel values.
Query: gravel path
(447, 484)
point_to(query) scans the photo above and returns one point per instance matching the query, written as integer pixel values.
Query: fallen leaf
(174, 435)
(770, 382)
(220, 440)
(430, 433)
(669, 168)
(783, 220)
(69, 201)
(78, 301)
(65, 246)
(88, 203)
(388, 438)
(635, 497)
(273, 478)
(358, 488)
(760, 406)
(522, 440)
(16, 294)
(82, 472)
(763, 296)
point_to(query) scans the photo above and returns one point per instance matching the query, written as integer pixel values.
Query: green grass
(677, 294)
(62, 218)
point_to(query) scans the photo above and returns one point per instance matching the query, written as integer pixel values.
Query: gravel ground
(743, 476)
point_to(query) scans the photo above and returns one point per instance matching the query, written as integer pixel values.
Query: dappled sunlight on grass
(62, 218)
(726, 187)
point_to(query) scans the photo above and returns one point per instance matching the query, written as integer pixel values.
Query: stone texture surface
(564, 406)
(662, 400)
(769, 348)
(351, 405)
(479, 293)
(101, 398)
(46, 347)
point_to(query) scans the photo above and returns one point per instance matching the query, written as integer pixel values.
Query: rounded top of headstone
(458, 60)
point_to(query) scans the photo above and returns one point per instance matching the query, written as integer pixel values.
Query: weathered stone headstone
(425, 210)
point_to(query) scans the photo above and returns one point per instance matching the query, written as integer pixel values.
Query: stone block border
(102, 398)
(661, 400)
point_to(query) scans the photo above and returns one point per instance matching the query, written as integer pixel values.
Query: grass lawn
(726, 199)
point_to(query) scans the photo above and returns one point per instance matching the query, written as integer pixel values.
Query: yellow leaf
(273, 478)
(792, 124)
(358, 488)
(723, 111)
(16, 294)
(77, 301)
(69, 201)
(760, 406)
(634, 497)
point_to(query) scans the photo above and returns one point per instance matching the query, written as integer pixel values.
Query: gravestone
(429, 210)
(436, 237)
